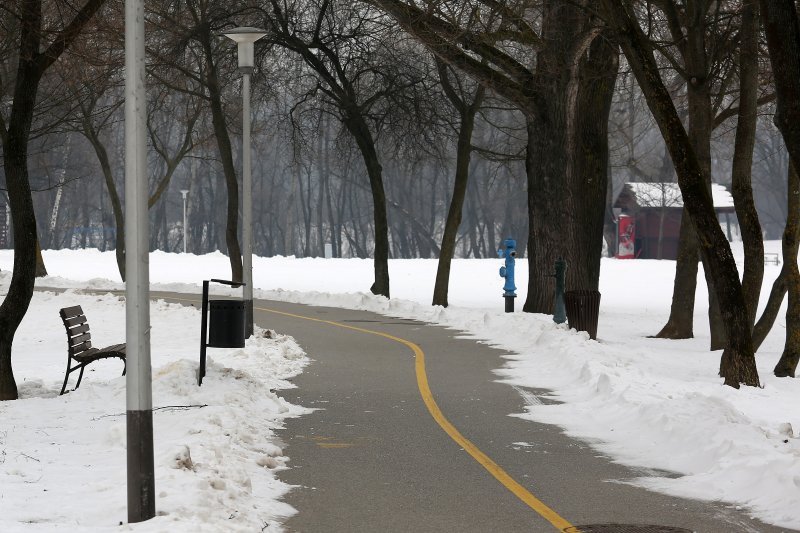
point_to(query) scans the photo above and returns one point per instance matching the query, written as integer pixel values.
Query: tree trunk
(463, 155)
(334, 216)
(783, 39)
(358, 128)
(680, 324)
(598, 74)
(291, 211)
(305, 209)
(322, 173)
(742, 189)
(567, 165)
(62, 177)
(700, 127)
(546, 158)
(23, 220)
(787, 365)
(116, 204)
(31, 66)
(226, 157)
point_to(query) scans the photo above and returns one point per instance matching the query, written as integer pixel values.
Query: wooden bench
(79, 345)
(772, 258)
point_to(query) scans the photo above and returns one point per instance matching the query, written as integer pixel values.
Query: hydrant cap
(510, 243)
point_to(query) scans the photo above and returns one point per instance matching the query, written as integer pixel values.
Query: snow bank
(63, 458)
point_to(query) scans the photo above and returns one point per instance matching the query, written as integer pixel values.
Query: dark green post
(559, 313)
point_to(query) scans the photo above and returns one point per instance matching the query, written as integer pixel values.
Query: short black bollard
(227, 324)
(583, 310)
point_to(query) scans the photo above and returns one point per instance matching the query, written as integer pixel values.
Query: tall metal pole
(247, 206)
(244, 37)
(139, 398)
(184, 192)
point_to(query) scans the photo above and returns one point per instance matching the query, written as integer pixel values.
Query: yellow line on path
(427, 396)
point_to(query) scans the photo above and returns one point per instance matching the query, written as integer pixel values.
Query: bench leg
(80, 377)
(66, 377)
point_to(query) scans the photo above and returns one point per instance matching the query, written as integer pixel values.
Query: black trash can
(583, 308)
(226, 324)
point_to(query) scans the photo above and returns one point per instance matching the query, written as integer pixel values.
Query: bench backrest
(79, 339)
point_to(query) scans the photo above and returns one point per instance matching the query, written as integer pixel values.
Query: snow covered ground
(649, 403)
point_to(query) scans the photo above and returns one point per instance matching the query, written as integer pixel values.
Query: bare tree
(467, 107)
(349, 52)
(171, 120)
(738, 361)
(38, 50)
(188, 58)
(699, 41)
(741, 174)
(572, 81)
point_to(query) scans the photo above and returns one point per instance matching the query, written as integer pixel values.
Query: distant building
(654, 211)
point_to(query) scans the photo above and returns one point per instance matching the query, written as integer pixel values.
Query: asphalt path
(373, 458)
(381, 452)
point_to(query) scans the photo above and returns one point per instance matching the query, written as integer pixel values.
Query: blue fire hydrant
(507, 272)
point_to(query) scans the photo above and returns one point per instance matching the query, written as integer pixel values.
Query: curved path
(412, 433)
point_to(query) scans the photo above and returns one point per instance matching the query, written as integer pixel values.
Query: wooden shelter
(656, 209)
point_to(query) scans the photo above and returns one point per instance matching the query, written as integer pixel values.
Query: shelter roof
(669, 195)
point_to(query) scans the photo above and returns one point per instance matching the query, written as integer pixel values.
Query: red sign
(626, 227)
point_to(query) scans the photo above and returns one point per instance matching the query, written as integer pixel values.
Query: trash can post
(222, 324)
(201, 372)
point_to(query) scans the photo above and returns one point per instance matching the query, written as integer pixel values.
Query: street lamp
(138, 384)
(184, 192)
(244, 37)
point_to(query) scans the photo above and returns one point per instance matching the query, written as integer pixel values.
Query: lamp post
(138, 384)
(184, 192)
(245, 37)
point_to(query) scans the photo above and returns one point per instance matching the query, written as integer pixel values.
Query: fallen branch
(163, 408)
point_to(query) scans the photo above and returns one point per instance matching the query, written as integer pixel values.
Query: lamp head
(244, 37)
